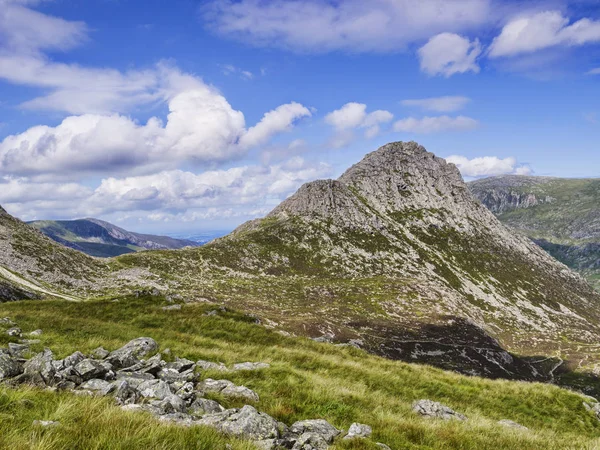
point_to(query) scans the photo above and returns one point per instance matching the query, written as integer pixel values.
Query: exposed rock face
(458, 278)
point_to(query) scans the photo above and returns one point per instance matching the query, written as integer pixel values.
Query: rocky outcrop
(434, 410)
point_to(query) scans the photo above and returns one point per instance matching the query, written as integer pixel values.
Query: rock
(181, 364)
(207, 365)
(7, 321)
(251, 366)
(154, 389)
(240, 392)
(311, 441)
(511, 424)
(36, 333)
(14, 331)
(99, 353)
(383, 446)
(214, 312)
(246, 422)
(18, 350)
(171, 307)
(39, 370)
(319, 426)
(170, 404)
(73, 360)
(134, 379)
(202, 406)
(209, 385)
(430, 409)
(172, 375)
(91, 368)
(177, 418)
(123, 391)
(100, 387)
(267, 444)
(129, 354)
(46, 423)
(9, 367)
(358, 430)
(185, 391)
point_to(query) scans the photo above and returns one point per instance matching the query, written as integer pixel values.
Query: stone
(18, 350)
(240, 392)
(123, 391)
(7, 321)
(99, 353)
(73, 360)
(185, 391)
(39, 370)
(181, 364)
(180, 419)
(100, 387)
(251, 366)
(208, 365)
(383, 446)
(319, 426)
(154, 389)
(430, 409)
(91, 368)
(311, 441)
(9, 367)
(209, 385)
(172, 375)
(46, 423)
(129, 354)
(202, 406)
(358, 430)
(14, 331)
(511, 424)
(171, 307)
(246, 423)
(266, 444)
(36, 333)
(170, 404)
(134, 379)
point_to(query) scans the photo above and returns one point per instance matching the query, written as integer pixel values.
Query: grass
(306, 380)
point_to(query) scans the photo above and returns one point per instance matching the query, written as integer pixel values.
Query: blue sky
(199, 115)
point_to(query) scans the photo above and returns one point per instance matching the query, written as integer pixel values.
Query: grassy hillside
(306, 380)
(562, 215)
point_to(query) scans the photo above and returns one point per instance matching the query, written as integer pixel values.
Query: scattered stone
(311, 441)
(36, 333)
(358, 430)
(511, 424)
(209, 385)
(320, 427)
(7, 321)
(46, 423)
(208, 365)
(9, 367)
(430, 409)
(39, 370)
(18, 350)
(29, 341)
(99, 353)
(129, 354)
(246, 422)
(14, 331)
(171, 307)
(251, 366)
(240, 392)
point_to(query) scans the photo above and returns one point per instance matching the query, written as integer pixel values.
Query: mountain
(398, 257)
(99, 238)
(561, 215)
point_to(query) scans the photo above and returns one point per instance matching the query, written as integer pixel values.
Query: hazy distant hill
(99, 238)
(561, 215)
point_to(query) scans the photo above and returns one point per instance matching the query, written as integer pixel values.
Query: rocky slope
(398, 257)
(561, 215)
(99, 238)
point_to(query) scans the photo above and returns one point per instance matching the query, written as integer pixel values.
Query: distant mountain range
(562, 215)
(99, 238)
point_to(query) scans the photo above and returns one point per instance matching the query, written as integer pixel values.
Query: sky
(188, 116)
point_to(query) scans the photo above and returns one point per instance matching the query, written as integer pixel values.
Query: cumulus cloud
(354, 115)
(438, 104)
(350, 25)
(543, 30)
(436, 124)
(488, 166)
(448, 53)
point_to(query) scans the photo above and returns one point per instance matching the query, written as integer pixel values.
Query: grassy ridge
(306, 380)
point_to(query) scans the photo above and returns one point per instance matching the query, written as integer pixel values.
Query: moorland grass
(307, 380)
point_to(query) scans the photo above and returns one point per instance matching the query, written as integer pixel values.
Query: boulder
(173, 376)
(91, 368)
(123, 391)
(36, 333)
(180, 419)
(181, 364)
(202, 406)
(99, 353)
(39, 370)
(154, 389)
(185, 391)
(320, 427)
(170, 404)
(240, 392)
(14, 332)
(208, 365)
(73, 360)
(358, 430)
(18, 350)
(129, 354)
(100, 387)
(311, 441)
(9, 367)
(209, 386)
(250, 366)
(430, 409)
(246, 423)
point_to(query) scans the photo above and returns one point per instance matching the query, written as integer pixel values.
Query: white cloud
(595, 71)
(229, 69)
(543, 30)
(349, 25)
(488, 166)
(354, 115)
(438, 104)
(448, 53)
(435, 124)
(201, 127)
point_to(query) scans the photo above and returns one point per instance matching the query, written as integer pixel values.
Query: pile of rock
(172, 391)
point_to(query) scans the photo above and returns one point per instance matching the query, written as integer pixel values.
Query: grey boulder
(154, 389)
(202, 406)
(246, 422)
(90, 368)
(251, 366)
(9, 367)
(129, 354)
(39, 370)
(359, 430)
(434, 410)
(99, 387)
(311, 441)
(320, 427)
